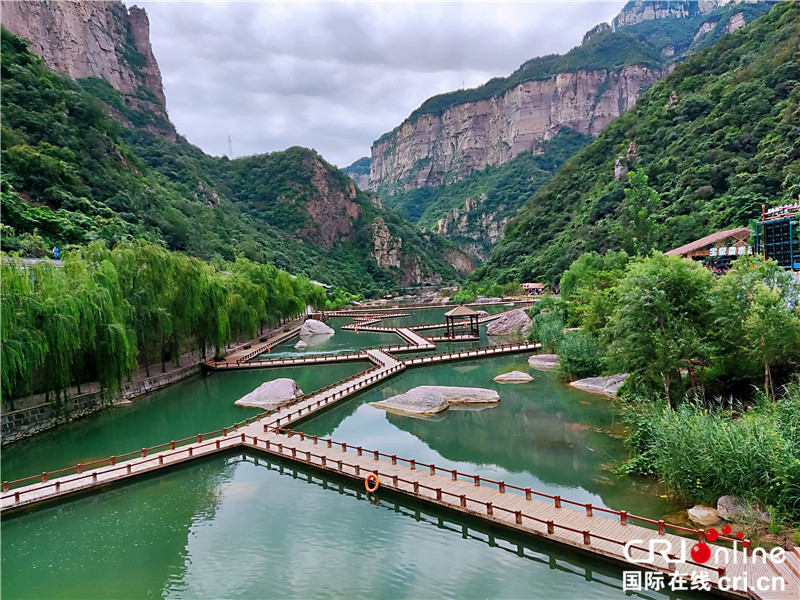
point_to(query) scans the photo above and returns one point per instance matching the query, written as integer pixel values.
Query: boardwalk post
(463, 500)
(587, 538)
(527, 493)
(439, 494)
(557, 500)
(589, 510)
(623, 517)
(518, 517)
(661, 527)
(550, 527)
(489, 509)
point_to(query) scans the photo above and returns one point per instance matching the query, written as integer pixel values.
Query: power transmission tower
(230, 146)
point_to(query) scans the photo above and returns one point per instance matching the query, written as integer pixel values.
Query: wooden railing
(502, 487)
(432, 358)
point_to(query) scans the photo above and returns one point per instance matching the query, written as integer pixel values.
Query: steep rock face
(333, 209)
(95, 39)
(467, 137)
(646, 10)
(387, 253)
(470, 221)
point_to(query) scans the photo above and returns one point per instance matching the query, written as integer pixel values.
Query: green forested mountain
(72, 174)
(471, 212)
(469, 202)
(718, 138)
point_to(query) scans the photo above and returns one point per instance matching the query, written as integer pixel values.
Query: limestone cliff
(388, 254)
(437, 148)
(99, 39)
(452, 135)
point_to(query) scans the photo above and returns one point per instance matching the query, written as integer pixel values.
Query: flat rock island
(513, 377)
(432, 399)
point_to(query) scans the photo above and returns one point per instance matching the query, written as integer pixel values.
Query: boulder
(510, 322)
(543, 362)
(301, 344)
(733, 508)
(703, 515)
(431, 399)
(271, 394)
(513, 377)
(606, 386)
(314, 327)
(482, 313)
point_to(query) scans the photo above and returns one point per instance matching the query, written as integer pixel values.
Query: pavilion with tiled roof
(464, 314)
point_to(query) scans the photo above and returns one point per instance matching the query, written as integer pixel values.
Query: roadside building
(533, 289)
(717, 250)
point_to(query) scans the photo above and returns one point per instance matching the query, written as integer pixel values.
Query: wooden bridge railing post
(557, 500)
(550, 527)
(661, 527)
(623, 517)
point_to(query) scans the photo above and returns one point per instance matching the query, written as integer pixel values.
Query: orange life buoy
(374, 478)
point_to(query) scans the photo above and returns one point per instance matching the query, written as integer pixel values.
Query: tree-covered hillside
(494, 194)
(72, 174)
(717, 139)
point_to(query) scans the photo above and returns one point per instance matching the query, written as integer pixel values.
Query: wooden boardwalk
(614, 535)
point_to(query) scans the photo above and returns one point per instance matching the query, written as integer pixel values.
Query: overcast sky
(335, 76)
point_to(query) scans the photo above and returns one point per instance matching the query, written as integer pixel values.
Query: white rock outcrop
(271, 394)
(510, 322)
(301, 344)
(431, 399)
(606, 386)
(513, 377)
(543, 362)
(314, 327)
(703, 515)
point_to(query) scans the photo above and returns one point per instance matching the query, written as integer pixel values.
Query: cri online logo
(701, 552)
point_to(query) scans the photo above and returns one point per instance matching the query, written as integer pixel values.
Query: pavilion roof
(460, 311)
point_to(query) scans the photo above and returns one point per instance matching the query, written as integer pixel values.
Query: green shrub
(547, 328)
(577, 356)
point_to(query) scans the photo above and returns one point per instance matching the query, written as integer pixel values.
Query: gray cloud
(335, 76)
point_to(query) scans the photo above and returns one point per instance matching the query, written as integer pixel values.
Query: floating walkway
(589, 529)
(583, 527)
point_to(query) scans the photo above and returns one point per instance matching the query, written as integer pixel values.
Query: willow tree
(23, 347)
(146, 275)
(113, 351)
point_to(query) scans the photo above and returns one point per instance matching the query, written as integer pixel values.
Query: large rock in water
(314, 327)
(432, 399)
(271, 394)
(510, 322)
(513, 377)
(543, 362)
(607, 386)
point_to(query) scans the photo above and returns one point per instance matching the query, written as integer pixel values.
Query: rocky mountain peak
(102, 39)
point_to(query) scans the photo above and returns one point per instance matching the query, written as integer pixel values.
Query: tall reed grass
(704, 453)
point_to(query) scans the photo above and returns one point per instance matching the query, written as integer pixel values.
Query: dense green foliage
(696, 347)
(727, 142)
(72, 175)
(660, 316)
(638, 44)
(500, 191)
(703, 454)
(92, 317)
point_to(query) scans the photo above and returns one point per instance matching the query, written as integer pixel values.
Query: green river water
(242, 525)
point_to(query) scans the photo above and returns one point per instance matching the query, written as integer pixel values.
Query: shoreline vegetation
(713, 398)
(102, 312)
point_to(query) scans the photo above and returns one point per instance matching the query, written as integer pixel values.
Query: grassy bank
(702, 454)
